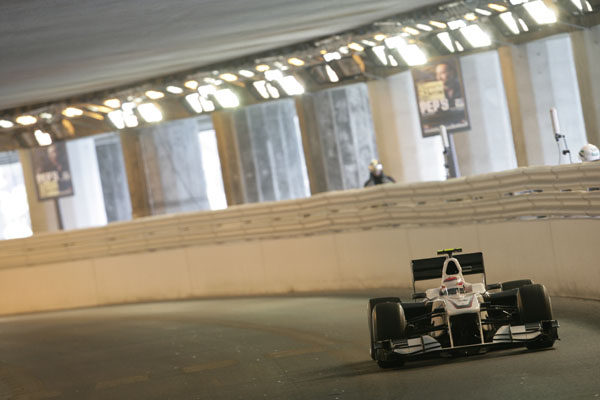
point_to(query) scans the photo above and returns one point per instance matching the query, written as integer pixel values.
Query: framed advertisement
(51, 171)
(441, 96)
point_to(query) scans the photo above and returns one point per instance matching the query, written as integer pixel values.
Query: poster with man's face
(51, 171)
(441, 96)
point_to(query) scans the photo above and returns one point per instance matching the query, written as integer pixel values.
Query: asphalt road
(292, 347)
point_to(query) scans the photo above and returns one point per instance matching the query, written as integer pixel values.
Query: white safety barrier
(329, 241)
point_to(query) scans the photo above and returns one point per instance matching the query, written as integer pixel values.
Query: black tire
(372, 304)
(389, 322)
(516, 284)
(534, 306)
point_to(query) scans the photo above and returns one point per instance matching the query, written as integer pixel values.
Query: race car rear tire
(534, 306)
(389, 322)
(516, 284)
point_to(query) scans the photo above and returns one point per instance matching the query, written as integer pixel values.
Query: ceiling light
(412, 55)
(261, 88)
(332, 56)
(262, 67)
(71, 112)
(588, 6)
(273, 75)
(517, 2)
(393, 61)
(497, 7)
(207, 90)
(394, 42)
(174, 89)
(456, 24)
(577, 3)
(446, 41)
(193, 100)
(213, 81)
(245, 73)
(45, 115)
(333, 77)
(291, 85)
(26, 120)
(295, 61)
(424, 27)
(129, 117)
(226, 98)
(112, 103)
(411, 30)
(154, 94)
(437, 24)
(470, 16)
(380, 53)
(6, 124)
(344, 50)
(116, 117)
(476, 36)
(273, 92)
(510, 22)
(150, 112)
(43, 138)
(356, 47)
(523, 25)
(228, 77)
(207, 105)
(483, 12)
(540, 12)
(191, 84)
(459, 46)
(368, 43)
(379, 37)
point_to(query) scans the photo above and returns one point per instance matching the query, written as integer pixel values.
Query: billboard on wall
(51, 171)
(441, 96)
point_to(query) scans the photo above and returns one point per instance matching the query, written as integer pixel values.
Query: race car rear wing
(431, 268)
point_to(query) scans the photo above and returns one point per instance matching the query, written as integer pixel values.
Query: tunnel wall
(540, 223)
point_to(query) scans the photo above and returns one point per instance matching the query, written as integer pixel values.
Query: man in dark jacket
(376, 175)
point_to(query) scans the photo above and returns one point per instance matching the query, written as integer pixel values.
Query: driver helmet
(589, 152)
(375, 167)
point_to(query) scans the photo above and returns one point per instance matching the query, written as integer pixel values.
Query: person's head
(52, 154)
(444, 72)
(375, 167)
(589, 152)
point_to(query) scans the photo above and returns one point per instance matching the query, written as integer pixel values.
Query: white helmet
(589, 152)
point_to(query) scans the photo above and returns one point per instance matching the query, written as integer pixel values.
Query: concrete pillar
(488, 145)
(113, 177)
(136, 176)
(547, 78)
(406, 155)
(261, 153)
(339, 137)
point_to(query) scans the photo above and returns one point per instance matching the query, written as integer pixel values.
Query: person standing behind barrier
(376, 175)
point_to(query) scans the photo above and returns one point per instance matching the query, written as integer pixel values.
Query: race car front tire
(389, 322)
(534, 306)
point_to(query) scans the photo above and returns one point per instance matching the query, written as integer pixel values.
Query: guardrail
(532, 192)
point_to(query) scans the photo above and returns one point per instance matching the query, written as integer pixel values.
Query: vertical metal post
(451, 162)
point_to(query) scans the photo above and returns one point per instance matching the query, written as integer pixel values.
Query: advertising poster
(441, 96)
(51, 170)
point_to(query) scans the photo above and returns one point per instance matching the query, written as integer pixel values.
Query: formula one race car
(459, 317)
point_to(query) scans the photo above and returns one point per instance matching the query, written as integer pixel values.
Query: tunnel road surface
(288, 347)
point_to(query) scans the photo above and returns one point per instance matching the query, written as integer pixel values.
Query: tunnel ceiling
(54, 49)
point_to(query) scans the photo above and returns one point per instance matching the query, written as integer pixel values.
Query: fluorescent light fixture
(207, 90)
(154, 94)
(380, 37)
(476, 36)
(226, 98)
(356, 47)
(459, 46)
(344, 50)
(261, 88)
(540, 12)
(394, 42)
(129, 117)
(191, 84)
(368, 43)
(291, 85)
(393, 61)
(470, 16)
(295, 61)
(510, 22)
(333, 77)
(26, 120)
(207, 105)
(43, 138)
(411, 30)
(116, 117)
(379, 51)
(412, 54)
(262, 67)
(150, 112)
(228, 77)
(497, 7)
(438, 24)
(45, 115)
(588, 6)
(245, 73)
(424, 27)
(212, 81)
(174, 89)
(332, 56)
(446, 41)
(517, 2)
(578, 4)
(72, 112)
(193, 100)
(6, 124)
(483, 12)
(112, 103)
(523, 25)
(456, 24)
(273, 75)
(273, 92)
